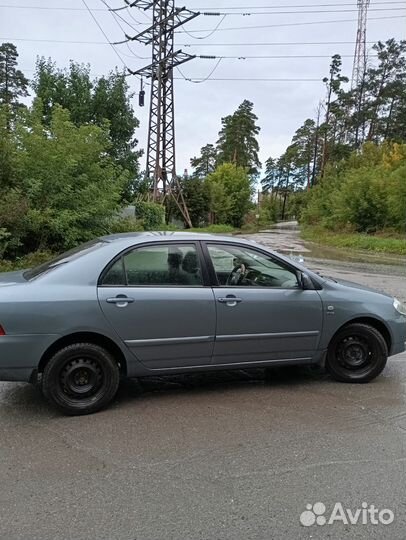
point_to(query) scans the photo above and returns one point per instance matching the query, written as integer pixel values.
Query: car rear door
(262, 312)
(156, 299)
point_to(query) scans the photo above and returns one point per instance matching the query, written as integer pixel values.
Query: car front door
(155, 298)
(263, 314)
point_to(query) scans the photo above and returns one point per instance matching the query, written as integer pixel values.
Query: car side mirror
(305, 282)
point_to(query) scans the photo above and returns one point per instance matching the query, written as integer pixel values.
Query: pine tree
(271, 175)
(13, 83)
(384, 87)
(333, 84)
(205, 163)
(237, 141)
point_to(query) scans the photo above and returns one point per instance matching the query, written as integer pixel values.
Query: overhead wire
(105, 35)
(293, 6)
(275, 56)
(250, 79)
(204, 79)
(295, 12)
(272, 43)
(210, 32)
(282, 25)
(115, 15)
(208, 9)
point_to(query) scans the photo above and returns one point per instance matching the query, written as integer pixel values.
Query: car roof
(157, 236)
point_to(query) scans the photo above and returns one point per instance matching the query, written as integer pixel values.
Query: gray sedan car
(134, 305)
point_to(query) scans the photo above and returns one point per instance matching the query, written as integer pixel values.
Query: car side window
(115, 275)
(161, 265)
(244, 267)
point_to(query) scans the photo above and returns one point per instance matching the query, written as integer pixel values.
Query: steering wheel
(237, 274)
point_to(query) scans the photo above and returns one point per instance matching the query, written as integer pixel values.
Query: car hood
(353, 285)
(12, 278)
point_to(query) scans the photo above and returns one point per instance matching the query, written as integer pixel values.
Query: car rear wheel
(81, 378)
(357, 354)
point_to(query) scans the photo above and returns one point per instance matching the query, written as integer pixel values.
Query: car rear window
(64, 258)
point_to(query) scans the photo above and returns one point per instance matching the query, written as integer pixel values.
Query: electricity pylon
(161, 162)
(360, 56)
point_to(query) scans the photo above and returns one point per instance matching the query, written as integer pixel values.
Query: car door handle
(230, 300)
(120, 301)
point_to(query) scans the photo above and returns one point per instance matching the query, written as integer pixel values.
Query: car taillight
(2, 332)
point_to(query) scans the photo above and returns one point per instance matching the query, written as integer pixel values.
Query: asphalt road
(207, 457)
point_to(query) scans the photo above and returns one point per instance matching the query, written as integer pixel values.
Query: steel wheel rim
(354, 353)
(81, 378)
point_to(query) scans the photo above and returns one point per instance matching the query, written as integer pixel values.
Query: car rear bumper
(20, 355)
(16, 374)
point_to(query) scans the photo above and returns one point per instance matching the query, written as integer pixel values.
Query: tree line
(69, 159)
(345, 166)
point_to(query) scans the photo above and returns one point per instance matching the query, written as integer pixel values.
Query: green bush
(62, 186)
(229, 189)
(28, 261)
(268, 212)
(126, 224)
(151, 214)
(364, 194)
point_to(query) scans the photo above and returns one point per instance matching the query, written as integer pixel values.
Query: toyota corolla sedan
(134, 305)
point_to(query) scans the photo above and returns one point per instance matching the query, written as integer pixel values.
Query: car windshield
(64, 258)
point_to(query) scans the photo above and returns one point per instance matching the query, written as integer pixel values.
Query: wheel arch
(371, 321)
(85, 337)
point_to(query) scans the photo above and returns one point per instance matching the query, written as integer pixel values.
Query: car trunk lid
(11, 278)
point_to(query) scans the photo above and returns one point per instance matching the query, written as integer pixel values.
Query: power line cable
(273, 43)
(113, 11)
(196, 81)
(204, 9)
(295, 12)
(104, 34)
(276, 56)
(249, 79)
(115, 15)
(190, 34)
(294, 6)
(82, 42)
(140, 11)
(279, 25)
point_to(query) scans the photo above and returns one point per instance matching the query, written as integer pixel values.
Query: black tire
(81, 379)
(357, 354)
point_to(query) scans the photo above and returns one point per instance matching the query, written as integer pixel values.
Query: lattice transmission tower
(161, 160)
(360, 56)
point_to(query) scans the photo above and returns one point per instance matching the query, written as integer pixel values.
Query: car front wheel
(81, 378)
(357, 354)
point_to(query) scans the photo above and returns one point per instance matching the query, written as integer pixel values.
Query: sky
(303, 30)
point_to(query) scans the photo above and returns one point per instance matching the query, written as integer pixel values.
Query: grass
(215, 229)
(380, 243)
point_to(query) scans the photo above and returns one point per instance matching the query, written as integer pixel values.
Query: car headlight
(399, 306)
